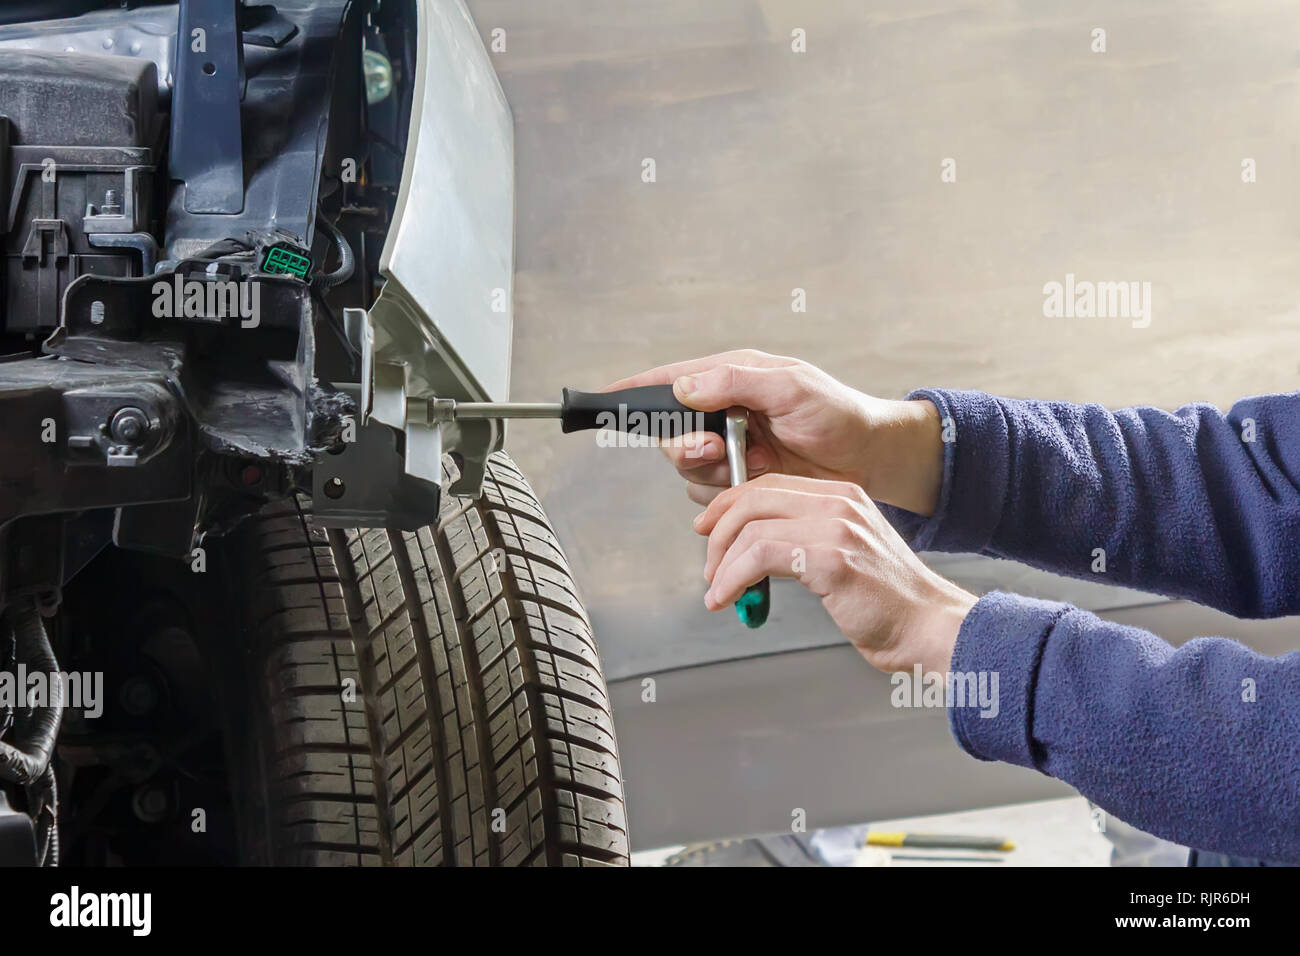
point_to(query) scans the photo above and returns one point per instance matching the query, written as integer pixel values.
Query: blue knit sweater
(1199, 744)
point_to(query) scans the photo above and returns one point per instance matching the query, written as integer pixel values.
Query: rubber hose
(26, 759)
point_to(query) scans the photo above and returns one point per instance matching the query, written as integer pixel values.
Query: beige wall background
(821, 170)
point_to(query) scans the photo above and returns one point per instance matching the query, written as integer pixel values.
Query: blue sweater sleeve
(1193, 503)
(1199, 744)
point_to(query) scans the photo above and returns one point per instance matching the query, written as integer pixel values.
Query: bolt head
(129, 426)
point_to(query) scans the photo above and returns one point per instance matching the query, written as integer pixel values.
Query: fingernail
(707, 451)
(685, 385)
(708, 598)
(700, 448)
(698, 518)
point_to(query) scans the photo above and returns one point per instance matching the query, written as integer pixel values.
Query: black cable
(43, 800)
(25, 760)
(347, 261)
(323, 281)
(223, 247)
(11, 667)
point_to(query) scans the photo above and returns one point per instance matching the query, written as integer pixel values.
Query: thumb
(767, 390)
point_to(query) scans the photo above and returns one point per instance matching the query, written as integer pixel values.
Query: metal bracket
(142, 242)
(357, 327)
(207, 146)
(365, 484)
(122, 215)
(384, 397)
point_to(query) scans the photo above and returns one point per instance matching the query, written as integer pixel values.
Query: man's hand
(831, 538)
(803, 422)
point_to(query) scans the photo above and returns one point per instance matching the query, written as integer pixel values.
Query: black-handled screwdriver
(651, 411)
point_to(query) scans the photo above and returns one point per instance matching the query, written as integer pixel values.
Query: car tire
(429, 697)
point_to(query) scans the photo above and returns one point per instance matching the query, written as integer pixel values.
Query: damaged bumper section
(148, 412)
(165, 376)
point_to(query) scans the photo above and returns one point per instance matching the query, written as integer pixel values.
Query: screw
(112, 206)
(129, 425)
(334, 488)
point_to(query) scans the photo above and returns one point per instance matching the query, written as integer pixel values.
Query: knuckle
(866, 511)
(843, 565)
(732, 375)
(763, 550)
(849, 491)
(841, 502)
(746, 539)
(846, 532)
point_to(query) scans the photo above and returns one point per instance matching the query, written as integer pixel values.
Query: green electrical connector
(282, 259)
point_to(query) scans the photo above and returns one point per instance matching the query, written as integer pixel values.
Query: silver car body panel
(442, 325)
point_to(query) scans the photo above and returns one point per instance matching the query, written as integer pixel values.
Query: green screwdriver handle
(755, 604)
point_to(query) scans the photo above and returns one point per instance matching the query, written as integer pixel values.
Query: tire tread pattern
(433, 697)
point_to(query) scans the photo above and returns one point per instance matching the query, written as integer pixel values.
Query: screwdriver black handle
(650, 410)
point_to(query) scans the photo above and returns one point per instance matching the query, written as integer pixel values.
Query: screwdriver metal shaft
(505, 409)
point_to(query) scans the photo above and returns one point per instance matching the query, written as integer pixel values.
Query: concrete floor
(821, 171)
(1060, 832)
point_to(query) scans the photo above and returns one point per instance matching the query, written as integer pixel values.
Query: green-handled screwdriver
(649, 410)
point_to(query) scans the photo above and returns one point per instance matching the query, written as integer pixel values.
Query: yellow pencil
(938, 841)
